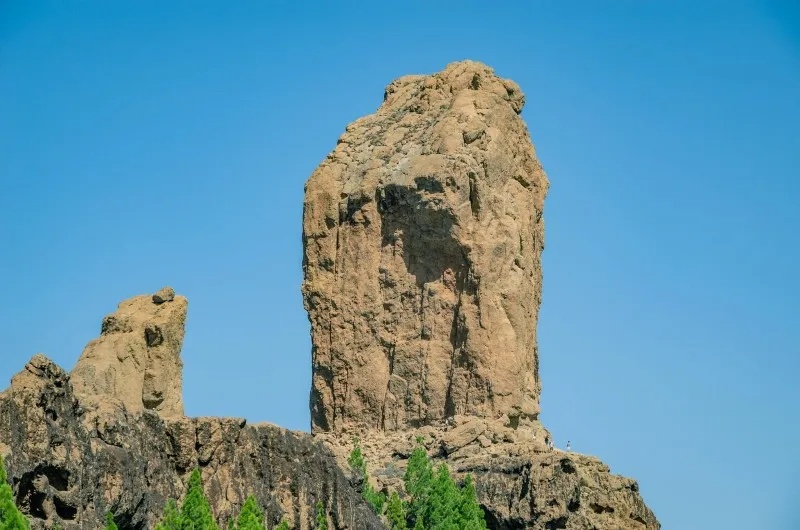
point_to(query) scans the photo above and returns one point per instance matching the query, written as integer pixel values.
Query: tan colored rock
(462, 435)
(136, 364)
(422, 235)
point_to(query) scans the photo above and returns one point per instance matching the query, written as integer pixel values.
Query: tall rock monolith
(422, 235)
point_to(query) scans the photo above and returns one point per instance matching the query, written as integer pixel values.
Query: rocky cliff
(422, 234)
(111, 436)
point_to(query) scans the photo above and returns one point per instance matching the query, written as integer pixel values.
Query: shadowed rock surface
(69, 465)
(423, 234)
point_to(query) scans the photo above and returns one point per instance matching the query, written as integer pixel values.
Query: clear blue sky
(144, 145)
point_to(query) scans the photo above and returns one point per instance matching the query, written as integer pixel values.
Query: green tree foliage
(322, 520)
(171, 520)
(472, 516)
(250, 517)
(443, 502)
(195, 512)
(110, 524)
(283, 526)
(356, 460)
(10, 516)
(435, 500)
(358, 467)
(418, 482)
(396, 512)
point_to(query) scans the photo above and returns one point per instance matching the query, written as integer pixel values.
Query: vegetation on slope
(433, 500)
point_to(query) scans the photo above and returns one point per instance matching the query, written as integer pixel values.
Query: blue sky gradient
(153, 143)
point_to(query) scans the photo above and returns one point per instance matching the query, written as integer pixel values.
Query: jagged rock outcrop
(422, 238)
(135, 364)
(422, 235)
(70, 463)
(520, 484)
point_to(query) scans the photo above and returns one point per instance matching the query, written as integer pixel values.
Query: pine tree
(358, 467)
(396, 513)
(472, 516)
(10, 516)
(250, 517)
(322, 520)
(110, 524)
(171, 520)
(195, 511)
(435, 500)
(443, 502)
(418, 481)
(356, 460)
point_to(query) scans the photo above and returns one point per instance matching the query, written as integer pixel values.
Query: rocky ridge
(111, 436)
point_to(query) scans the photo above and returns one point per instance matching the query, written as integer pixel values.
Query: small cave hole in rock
(599, 508)
(64, 510)
(560, 522)
(567, 466)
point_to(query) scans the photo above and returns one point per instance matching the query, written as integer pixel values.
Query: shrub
(10, 516)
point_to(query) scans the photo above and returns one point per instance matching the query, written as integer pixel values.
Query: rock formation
(112, 437)
(423, 235)
(135, 364)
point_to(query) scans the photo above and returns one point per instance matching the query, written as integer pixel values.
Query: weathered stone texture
(68, 472)
(135, 364)
(521, 483)
(422, 236)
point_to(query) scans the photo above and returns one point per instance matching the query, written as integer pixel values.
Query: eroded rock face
(135, 364)
(67, 472)
(422, 236)
(521, 483)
